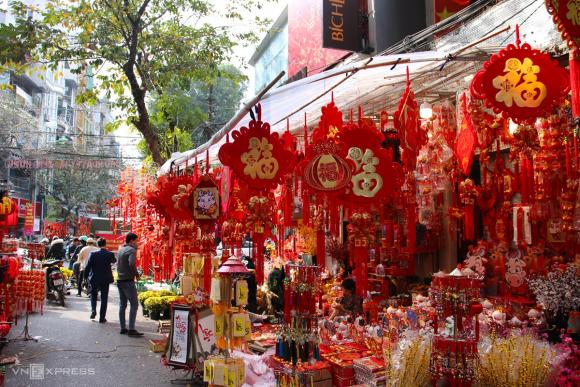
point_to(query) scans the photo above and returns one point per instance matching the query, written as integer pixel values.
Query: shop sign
(340, 23)
(44, 163)
(180, 339)
(566, 14)
(29, 220)
(22, 206)
(520, 82)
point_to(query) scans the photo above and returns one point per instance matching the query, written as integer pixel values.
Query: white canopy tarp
(370, 79)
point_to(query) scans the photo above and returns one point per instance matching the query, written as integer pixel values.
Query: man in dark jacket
(126, 275)
(100, 275)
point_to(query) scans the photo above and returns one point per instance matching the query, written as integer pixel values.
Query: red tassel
(305, 206)
(469, 223)
(361, 259)
(520, 223)
(259, 241)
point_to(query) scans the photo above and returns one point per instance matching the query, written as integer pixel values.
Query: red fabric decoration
(465, 146)
(520, 82)
(407, 123)
(225, 188)
(257, 156)
(566, 14)
(373, 177)
(468, 194)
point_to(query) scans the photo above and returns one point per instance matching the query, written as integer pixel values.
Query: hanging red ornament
(225, 188)
(465, 147)
(406, 121)
(257, 156)
(520, 82)
(566, 14)
(468, 195)
(373, 175)
(206, 200)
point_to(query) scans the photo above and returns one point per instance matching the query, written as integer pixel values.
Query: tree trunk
(143, 124)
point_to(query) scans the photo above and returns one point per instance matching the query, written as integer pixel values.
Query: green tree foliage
(140, 47)
(186, 118)
(71, 192)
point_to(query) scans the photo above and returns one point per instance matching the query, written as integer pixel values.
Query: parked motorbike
(55, 284)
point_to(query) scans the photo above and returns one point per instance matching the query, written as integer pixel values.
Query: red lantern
(520, 82)
(257, 156)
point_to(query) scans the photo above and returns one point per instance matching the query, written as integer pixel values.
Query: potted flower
(155, 307)
(167, 300)
(143, 297)
(559, 293)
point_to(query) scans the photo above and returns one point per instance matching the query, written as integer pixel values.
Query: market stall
(418, 222)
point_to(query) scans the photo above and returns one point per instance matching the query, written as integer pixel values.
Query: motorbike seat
(51, 263)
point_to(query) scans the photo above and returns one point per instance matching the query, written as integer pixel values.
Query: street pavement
(72, 350)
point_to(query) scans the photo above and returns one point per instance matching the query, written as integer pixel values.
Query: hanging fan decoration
(406, 121)
(520, 82)
(257, 156)
(566, 15)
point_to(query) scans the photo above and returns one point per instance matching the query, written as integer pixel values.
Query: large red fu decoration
(257, 156)
(373, 177)
(520, 82)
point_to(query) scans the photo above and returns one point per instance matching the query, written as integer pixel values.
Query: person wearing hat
(83, 257)
(56, 250)
(46, 244)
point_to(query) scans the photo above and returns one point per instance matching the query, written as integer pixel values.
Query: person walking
(100, 275)
(126, 275)
(72, 257)
(83, 257)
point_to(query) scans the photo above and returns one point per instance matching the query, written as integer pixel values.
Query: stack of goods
(219, 371)
(455, 298)
(9, 270)
(9, 246)
(30, 291)
(192, 273)
(35, 251)
(341, 358)
(304, 374)
(370, 371)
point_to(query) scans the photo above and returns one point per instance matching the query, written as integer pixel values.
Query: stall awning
(361, 83)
